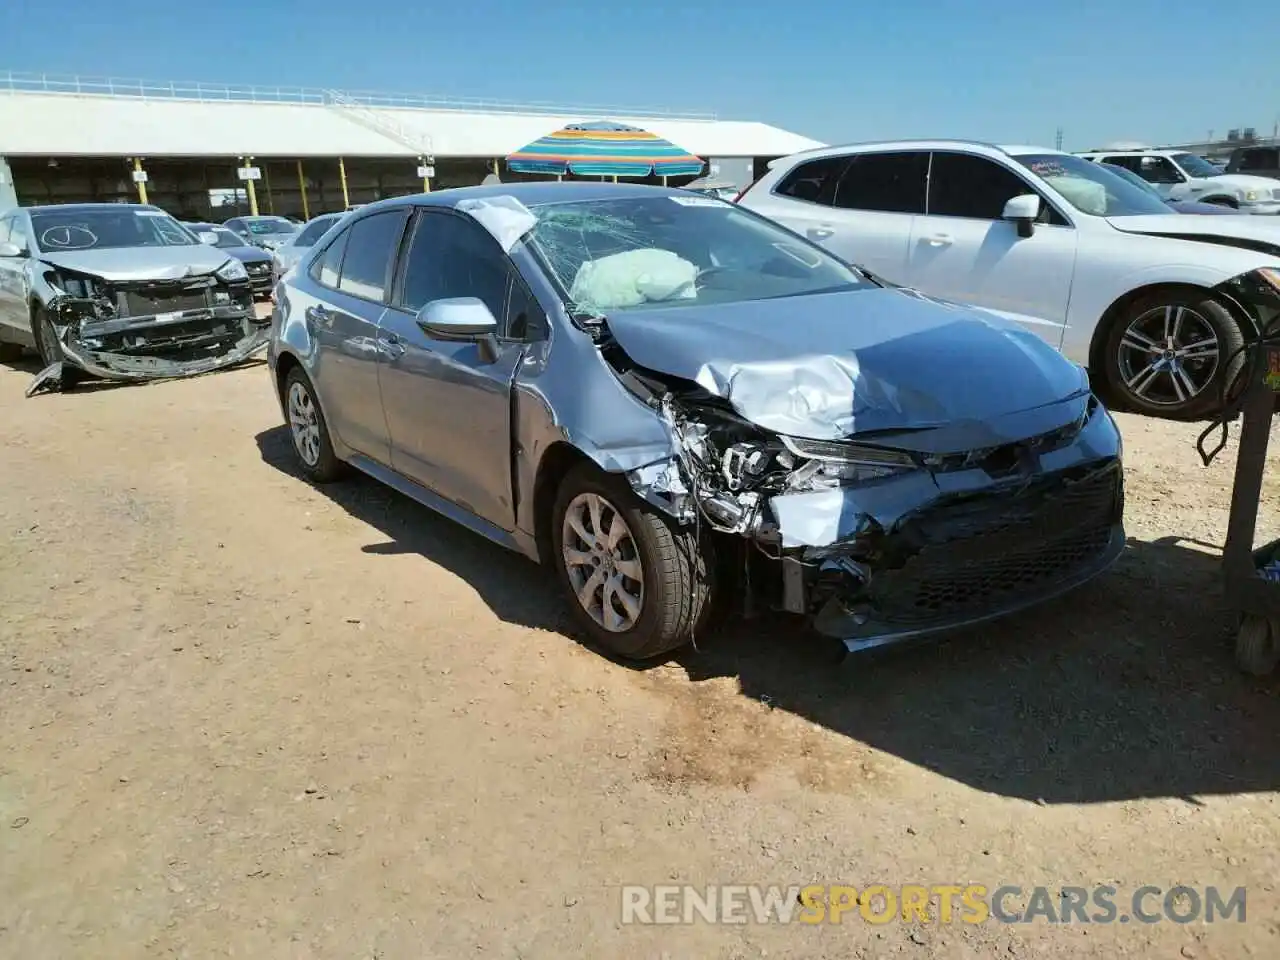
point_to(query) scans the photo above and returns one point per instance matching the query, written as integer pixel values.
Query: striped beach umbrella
(604, 149)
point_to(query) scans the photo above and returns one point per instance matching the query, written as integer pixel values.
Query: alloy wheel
(1168, 355)
(304, 423)
(602, 562)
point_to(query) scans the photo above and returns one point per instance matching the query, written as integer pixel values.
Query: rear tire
(1168, 355)
(638, 583)
(309, 431)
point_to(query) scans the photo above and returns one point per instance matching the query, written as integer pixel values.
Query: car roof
(978, 147)
(531, 193)
(85, 207)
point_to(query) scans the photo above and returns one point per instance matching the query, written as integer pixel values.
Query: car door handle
(390, 346)
(820, 233)
(319, 315)
(939, 240)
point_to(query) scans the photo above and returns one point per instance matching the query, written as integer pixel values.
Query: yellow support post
(266, 185)
(426, 181)
(495, 168)
(342, 175)
(249, 188)
(142, 184)
(302, 191)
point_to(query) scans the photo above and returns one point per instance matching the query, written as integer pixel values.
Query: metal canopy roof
(150, 125)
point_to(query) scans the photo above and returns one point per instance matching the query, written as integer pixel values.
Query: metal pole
(249, 187)
(142, 185)
(302, 191)
(342, 175)
(495, 168)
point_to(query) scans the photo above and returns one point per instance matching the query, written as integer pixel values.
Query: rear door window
(885, 182)
(1259, 159)
(371, 250)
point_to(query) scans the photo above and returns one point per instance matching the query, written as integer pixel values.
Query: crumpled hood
(140, 263)
(1249, 232)
(830, 366)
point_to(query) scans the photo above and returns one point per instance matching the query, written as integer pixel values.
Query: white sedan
(1153, 302)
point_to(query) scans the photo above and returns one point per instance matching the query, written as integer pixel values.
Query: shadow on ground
(1125, 689)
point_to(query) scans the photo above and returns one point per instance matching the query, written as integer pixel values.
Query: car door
(962, 249)
(448, 404)
(351, 282)
(868, 216)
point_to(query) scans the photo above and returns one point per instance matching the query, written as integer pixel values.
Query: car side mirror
(462, 319)
(1023, 211)
(209, 237)
(11, 250)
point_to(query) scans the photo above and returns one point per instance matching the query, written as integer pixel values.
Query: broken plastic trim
(132, 368)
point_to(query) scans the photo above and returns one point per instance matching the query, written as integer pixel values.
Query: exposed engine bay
(134, 330)
(875, 542)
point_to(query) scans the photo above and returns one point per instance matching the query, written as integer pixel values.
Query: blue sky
(988, 69)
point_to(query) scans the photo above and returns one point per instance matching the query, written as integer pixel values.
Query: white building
(66, 139)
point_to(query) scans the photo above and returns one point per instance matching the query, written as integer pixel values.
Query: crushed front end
(903, 535)
(150, 329)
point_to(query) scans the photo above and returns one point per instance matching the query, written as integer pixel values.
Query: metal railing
(18, 82)
(379, 122)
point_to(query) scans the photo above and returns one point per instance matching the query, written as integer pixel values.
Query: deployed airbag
(632, 278)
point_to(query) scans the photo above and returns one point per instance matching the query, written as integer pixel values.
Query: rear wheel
(308, 430)
(637, 582)
(1169, 355)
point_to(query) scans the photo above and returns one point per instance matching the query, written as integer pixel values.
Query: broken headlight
(838, 462)
(232, 271)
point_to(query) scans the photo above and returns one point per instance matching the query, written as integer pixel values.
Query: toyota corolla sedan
(679, 406)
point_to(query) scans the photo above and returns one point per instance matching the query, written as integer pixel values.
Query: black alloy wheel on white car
(1171, 354)
(636, 581)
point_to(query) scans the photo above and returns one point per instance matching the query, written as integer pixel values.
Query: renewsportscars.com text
(936, 903)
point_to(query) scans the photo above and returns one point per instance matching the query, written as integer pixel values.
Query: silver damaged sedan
(680, 407)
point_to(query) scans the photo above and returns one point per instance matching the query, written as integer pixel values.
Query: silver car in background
(286, 255)
(672, 402)
(121, 291)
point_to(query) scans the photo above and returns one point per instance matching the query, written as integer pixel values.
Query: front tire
(639, 584)
(1170, 354)
(308, 430)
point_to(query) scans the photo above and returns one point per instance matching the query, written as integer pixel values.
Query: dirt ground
(242, 716)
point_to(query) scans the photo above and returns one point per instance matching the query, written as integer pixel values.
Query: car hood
(838, 365)
(1245, 181)
(1208, 209)
(140, 263)
(248, 254)
(1241, 230)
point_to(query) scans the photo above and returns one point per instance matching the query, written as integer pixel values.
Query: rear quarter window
(813, 180)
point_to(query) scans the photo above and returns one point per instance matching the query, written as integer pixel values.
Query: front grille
(1276, 193)
(970, 557)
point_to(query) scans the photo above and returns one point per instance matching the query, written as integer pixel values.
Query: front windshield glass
(631, 252)
(1196, 166)
(105, 228)
(313, 231)
(269, 225)
(1090, 187)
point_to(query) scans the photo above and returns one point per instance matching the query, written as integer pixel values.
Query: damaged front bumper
(94, 338)
(926, 540)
